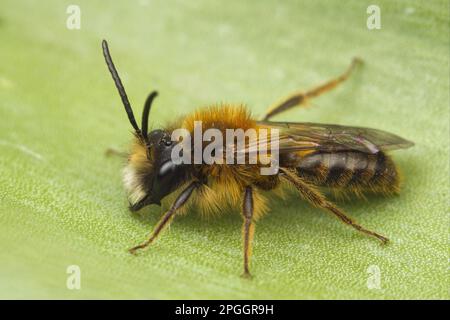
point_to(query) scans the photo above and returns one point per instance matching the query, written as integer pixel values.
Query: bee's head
(150, 174)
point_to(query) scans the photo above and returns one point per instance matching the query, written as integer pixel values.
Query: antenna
(146, 112)
(120, 88)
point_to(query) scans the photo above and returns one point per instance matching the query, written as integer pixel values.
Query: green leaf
(62, 201)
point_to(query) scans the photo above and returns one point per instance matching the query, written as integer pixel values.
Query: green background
(62, 201)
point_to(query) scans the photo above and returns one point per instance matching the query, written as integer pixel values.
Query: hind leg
(301, 98)
(318, 200)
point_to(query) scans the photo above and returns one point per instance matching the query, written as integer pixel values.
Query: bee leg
(300, 98)
(168, 216)
(114, 152)
(310, 194)
(248, 229)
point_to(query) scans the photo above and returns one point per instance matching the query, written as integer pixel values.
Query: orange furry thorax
(220, 117)
(226, 182)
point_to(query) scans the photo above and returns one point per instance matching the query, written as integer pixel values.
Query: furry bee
(313, 158)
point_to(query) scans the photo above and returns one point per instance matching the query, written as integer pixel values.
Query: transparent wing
(295, 136)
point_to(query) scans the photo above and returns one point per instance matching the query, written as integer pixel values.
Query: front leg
(248, 228)
(168, 216)
(114, 152)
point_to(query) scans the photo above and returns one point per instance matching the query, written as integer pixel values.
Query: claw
(357, 60)
(134, 249)
(246, 275)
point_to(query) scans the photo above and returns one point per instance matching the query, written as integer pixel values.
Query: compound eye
(155, 136)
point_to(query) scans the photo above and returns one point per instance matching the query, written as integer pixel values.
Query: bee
(313, 159)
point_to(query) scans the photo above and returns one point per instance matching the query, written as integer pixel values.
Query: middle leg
(248, 228)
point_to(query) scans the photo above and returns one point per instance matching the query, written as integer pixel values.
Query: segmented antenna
(120, 88)
(146, 112)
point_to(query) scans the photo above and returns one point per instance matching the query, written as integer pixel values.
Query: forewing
(295, 136)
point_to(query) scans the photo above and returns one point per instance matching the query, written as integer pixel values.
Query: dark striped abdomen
(350, 169)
